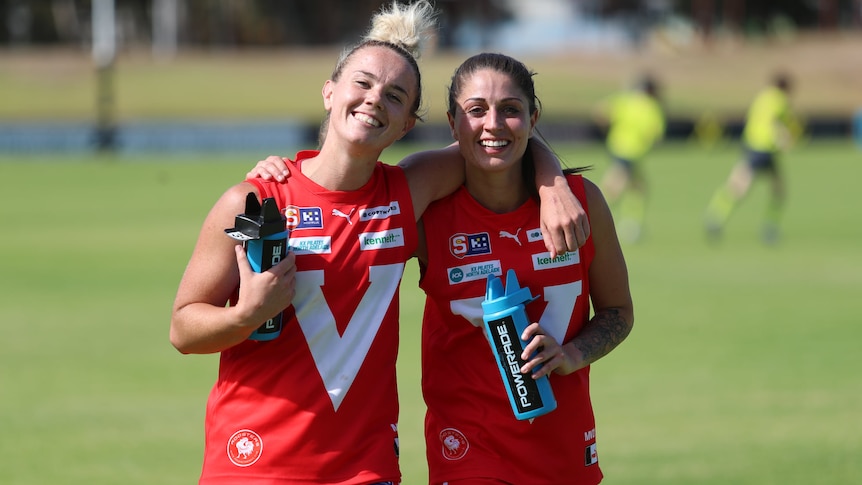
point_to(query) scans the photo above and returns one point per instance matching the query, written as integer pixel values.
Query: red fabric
(319, 403)
(470, 428)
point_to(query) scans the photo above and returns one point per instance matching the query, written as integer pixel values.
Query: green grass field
(743, 366)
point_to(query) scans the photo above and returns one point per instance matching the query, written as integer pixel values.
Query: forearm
(201, 328)
(549, 174)
(602, 334)
(565, 226)
(201, 320)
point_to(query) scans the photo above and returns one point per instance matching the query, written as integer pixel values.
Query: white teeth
(366, 119)
(494, 143)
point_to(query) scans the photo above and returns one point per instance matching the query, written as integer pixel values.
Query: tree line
(217, 23)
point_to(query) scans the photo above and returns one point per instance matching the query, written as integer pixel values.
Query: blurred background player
(770, 128)
(635, 122)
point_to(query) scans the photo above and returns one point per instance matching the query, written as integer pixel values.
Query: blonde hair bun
(407, 26)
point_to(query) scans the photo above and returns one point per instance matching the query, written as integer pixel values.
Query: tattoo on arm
(603, 333)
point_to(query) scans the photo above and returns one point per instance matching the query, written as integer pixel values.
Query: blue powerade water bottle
(505, 320)
(263, 232)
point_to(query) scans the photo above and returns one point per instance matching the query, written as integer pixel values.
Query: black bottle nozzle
(257, 222)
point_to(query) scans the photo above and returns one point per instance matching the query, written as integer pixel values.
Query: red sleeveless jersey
(319, 403)
(470, 428)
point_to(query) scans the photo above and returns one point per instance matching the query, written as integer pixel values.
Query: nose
(374, 98)
(493, 120)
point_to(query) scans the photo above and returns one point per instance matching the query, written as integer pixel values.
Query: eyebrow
(509, 99)
(396, 87)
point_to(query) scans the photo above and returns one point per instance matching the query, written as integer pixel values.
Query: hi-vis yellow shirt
(769, 121)
(636, 124)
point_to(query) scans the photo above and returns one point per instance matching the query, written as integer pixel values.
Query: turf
(742, 367)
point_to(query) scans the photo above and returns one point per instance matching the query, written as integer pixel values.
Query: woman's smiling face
(371, 103)
(492, 122)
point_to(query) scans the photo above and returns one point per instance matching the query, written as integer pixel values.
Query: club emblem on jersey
(303, 217)
(454, 444)
(512, 236)
(244, 447)
(462, 245)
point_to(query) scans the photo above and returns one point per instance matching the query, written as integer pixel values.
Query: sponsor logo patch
(380, 212)
(534, 235)
(395, 443)
(462, 245)
(244, 447)
(311, 245)
(591, 457)
(545, 261)
(303, 217)
(475, 271)
(371, 241)
(454, 444)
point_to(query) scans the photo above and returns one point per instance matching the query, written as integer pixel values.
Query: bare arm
(611, 299)
(565, 226)
(436, 173)
(609, 291)
(200, 321)
(432, 175)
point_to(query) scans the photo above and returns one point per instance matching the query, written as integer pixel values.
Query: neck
(335, 168)
(499, 192)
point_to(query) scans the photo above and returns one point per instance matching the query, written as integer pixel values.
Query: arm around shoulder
(432, 175)
(565, 226)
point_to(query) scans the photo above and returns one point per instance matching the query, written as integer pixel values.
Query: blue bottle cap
(495, 298)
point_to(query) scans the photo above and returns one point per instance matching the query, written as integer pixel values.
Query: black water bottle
(263, 232)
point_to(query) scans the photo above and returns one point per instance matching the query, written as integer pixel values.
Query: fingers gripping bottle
(505, 320)
(263, 232)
